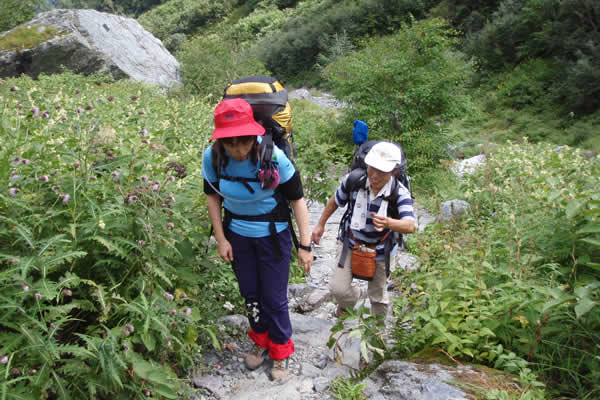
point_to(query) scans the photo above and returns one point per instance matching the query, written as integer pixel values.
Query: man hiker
(380, 209)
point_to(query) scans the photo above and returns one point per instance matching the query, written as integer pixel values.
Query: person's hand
(317, 233)
(225, 250)
(305, 260)
(380, 222)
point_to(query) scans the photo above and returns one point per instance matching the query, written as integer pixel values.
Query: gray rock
(93, 42)
(407, 262)
(298, 289)
(325, 100)
(309, 330)
(300, 94)
(211, 383)
(321, 384)
(453, 208)
(424, 218)
(314, 300)
(403, 380)
(235, 321)
(309, 370)
(322, 362)
(468, 166)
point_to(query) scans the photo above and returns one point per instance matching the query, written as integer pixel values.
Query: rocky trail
(313, 366)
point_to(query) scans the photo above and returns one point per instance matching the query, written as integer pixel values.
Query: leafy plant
(346, 389)
(101, 266)
(515, 284)
(368, 331)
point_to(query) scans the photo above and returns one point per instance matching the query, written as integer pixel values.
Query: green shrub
(252, 27)
(183, 16)
(209, 63)
(15, 12)
(563, 31)
(403, 85)
(320, 152)
(296, 47)
(529, 83)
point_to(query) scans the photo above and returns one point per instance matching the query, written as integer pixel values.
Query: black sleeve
(292, 189)
(208, 189)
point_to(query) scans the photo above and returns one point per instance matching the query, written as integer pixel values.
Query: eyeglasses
(233, 141)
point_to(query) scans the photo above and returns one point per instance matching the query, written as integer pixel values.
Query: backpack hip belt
(280, 213)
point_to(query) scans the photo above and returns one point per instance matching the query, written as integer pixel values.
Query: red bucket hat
(234, 117)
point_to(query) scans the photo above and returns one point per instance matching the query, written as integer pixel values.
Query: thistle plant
(98, 240)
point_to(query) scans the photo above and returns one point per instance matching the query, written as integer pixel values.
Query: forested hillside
(93, 178)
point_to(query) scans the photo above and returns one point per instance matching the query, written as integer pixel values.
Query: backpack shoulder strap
(392, 198)
(356, 179)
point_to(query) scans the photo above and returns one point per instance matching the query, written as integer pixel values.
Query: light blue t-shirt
(239, 200)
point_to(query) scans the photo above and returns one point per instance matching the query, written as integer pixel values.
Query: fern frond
(50, 243)
(100, 295)
(26, 235)
(50, 289)
(69, 280)
(11, 341)
(126, 243)
(64, 309)
(159, 272)
(78, 351)
(51, 264)
(109, 263)
(75, 369)
(27, 264)
(9, 304)
(113, 248)
(23, 206)
(134, 308)
(62, 391)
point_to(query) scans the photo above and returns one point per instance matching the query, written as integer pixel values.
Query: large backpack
(269, 101)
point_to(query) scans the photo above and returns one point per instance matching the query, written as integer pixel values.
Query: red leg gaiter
(261, 339)
(281, 351)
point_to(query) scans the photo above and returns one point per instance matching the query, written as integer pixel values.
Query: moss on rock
(27, 37)
(474, 379)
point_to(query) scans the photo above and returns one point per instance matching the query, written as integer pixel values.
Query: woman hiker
(379, 206)
(255, 234)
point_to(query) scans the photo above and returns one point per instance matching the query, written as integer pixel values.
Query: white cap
(384, 156)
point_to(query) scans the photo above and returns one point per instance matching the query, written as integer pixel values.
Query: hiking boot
(256, 357)
(280, 371)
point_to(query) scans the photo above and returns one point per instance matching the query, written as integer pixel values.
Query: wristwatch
(307, 248)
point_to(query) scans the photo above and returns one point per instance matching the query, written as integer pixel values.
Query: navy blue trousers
(263, 279)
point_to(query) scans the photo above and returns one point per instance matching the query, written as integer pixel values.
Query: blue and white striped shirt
(368, 234)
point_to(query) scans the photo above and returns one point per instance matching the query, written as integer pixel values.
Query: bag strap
(242, 180)
(354, 182)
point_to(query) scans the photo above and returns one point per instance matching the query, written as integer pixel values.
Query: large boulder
(88, 41)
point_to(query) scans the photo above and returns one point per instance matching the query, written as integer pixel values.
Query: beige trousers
(346, 294)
